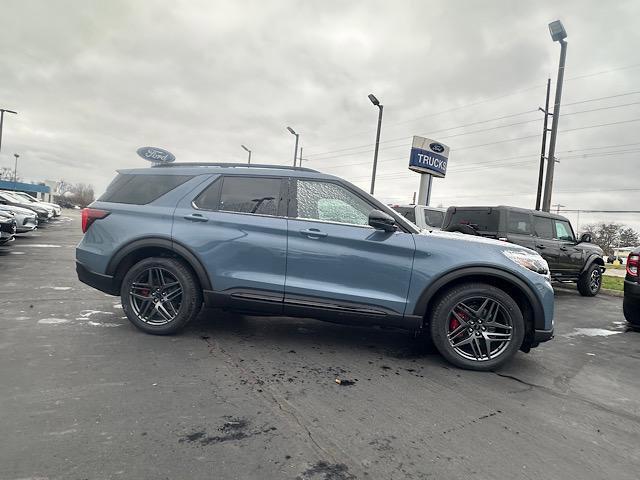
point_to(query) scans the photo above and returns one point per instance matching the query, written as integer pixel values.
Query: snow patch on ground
(40, 245)
(88, 313)
(23, 318)
(52, 321)
(106, 324)
(16, 253)
(591, 332)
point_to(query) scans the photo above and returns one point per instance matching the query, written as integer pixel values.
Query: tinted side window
(519, 223)
(259, 195)
(434, 218)
(564, 231)
(331, 202)
(543, 226)
(209, 199)
(483, 220)
(139, 189)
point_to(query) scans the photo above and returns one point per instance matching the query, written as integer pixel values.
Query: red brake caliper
(453, 321)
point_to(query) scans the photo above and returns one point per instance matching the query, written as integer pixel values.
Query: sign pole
(424, 193)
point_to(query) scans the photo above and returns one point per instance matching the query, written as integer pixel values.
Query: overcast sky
(94, 80)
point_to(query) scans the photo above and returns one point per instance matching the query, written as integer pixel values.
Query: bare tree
(612, 235)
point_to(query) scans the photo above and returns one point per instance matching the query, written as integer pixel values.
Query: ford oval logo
(156, 155)
(436, 147)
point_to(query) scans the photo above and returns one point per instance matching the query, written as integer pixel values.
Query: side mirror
(382, 221)
(586, 238)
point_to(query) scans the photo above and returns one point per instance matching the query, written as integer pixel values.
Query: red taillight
(90, 215)
(632, 264)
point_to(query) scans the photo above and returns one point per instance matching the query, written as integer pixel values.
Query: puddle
(591, 332)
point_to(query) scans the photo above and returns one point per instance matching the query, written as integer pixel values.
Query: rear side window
(519, 223)
(137, 189)
(543, 226)
(257, 195)
(484, 220)
(407, 212)
(434, 218)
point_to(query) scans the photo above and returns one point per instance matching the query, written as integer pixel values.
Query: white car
(26, 220)
(427, 218)
(56, 209)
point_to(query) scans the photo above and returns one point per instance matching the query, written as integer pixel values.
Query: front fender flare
(428, 293)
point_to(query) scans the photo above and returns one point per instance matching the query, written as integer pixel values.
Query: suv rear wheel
(590, 281)
(160, 295)
(477, 326)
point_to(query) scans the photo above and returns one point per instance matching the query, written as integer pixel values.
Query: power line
(316, 155)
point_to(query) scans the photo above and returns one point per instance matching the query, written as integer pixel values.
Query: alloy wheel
(479, 328)
(595, 280)
(155, 296)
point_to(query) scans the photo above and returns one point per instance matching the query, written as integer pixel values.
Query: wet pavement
(86, 396)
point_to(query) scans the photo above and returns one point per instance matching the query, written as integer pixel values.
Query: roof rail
(230, 165)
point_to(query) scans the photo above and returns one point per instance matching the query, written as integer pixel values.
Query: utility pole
(300, 158)
(2, 110)
(376, 102)
(544, 145)
(558, 34)
(15, 172)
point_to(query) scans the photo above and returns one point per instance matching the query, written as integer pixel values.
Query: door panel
(243, 253)
(345, 264)
(570, 254)
(544, 242)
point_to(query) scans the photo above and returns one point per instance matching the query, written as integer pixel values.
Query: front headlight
(529, 260)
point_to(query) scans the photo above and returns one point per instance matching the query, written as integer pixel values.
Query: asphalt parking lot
(86, 396)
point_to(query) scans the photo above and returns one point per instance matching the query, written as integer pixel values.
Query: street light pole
(558, 34)
(2, 110)
(15, 172)
(376, 102)
(246, 149)
(544, 145)
(295, 152)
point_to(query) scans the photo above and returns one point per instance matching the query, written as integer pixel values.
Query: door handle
(564, 249)
(541, 246)
(196, 217)
(313, 232)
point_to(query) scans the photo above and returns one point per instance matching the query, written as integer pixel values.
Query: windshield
(481, 219)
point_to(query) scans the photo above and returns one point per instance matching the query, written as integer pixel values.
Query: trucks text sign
(429, 156)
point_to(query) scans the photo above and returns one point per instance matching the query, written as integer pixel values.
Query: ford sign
(156, 155)
(428, 156)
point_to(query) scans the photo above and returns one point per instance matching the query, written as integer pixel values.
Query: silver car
(26, 220)
(55, 208)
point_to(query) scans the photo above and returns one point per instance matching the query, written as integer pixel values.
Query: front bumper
(540, 336)
(104, 283)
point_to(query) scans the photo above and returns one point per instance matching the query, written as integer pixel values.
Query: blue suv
(272, 240)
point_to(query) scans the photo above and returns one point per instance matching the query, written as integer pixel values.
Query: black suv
(551, 235)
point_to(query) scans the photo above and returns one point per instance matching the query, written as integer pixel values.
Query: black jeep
(551, 235)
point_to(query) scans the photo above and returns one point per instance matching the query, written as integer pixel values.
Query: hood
(460, 239)
(591, 248)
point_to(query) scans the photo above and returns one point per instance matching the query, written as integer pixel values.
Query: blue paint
(427, 161)
(24, 187)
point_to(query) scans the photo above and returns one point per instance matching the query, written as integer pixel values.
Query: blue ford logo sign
(156, 155)
(428, 156)
(436, 147)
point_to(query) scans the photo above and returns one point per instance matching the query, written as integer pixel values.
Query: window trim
(282, 201)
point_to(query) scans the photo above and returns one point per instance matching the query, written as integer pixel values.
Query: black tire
(631, 310)
(507, 310)
(180, 309)
(466, 229)
(590, 281)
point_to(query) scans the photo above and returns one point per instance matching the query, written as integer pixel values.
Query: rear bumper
(631, 290)
(99, 281)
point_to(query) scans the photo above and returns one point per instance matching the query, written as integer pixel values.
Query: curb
(603, 291)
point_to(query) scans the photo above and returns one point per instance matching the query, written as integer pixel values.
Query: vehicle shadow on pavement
(302, 334)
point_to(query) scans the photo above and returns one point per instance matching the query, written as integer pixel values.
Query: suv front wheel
(477, 326)
(590, 281)
(160, 295)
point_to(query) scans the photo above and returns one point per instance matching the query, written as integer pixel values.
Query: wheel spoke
(475, 348)
(162, 311)
(160, 276)
(457, 332)
(173, 294)
(466, 341)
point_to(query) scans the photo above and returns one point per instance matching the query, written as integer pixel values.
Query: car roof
(184, 168)
(538, 213)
